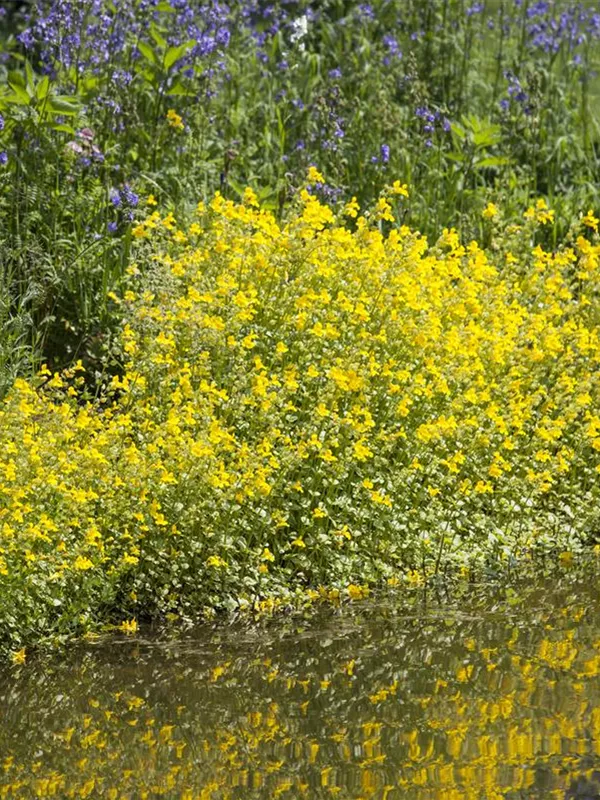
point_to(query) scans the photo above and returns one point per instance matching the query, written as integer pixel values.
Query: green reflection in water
(491, 696)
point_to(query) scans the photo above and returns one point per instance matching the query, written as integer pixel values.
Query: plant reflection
(394, 700)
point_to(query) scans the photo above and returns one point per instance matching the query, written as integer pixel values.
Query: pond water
(494, 694)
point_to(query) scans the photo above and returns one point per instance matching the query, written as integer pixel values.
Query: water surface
(491, 695)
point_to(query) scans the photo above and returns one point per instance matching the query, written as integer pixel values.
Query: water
(491, 695)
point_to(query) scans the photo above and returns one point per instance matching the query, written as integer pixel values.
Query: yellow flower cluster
(350, 402)
(175, 120)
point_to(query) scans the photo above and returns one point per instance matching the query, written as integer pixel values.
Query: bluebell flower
(385, 153)
(476, 8)
(366, 11)
(129, 197)
(3, 158)
(26, 38)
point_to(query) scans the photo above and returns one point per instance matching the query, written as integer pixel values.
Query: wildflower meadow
(297, 300)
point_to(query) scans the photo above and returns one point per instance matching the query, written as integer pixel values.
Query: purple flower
(3, 158)
(1, 122)
(112, 227)
(392, 47)
(385, 153)
(335, 73)
(476, 8)
(129, 197)
(26, 38)
(366, 11)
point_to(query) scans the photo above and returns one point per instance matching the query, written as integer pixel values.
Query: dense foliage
(307, 404)
(102, 102)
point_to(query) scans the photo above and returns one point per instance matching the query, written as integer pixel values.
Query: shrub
(304, 404)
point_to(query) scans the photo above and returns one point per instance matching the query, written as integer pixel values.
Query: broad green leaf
(62, 126)
(179, 89)
(30, 79)
(43, 88)
(20, 96)
(173, 54)
(237, 187)
(147, 52)
(157, 36)
(16, 78)
(58, 105)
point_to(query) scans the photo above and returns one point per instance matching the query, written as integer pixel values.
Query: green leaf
(237, 187)
(147, 52)
(459, 131)
(493, 161)
(16, 78)
(30, 79)
(179, 89)
(20, 96)
(58, 105)
(173, 54)
(43, 88)
(487, 137)
(157, 36)
(62, 126)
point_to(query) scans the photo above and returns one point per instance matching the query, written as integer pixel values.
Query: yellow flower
(384, 210)
(590, 221)
(400, 189)
(151, 200)
(19, 656)
(566, 558)
(175, 121)
(357, 592)
(82, 563)
(299, 542)
(361, 450)
(250, 198)
(352, 208)
(314, 176)
(129, 627)
(490, 211)
(217, 562)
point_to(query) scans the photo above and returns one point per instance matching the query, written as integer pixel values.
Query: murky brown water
(486, 697)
